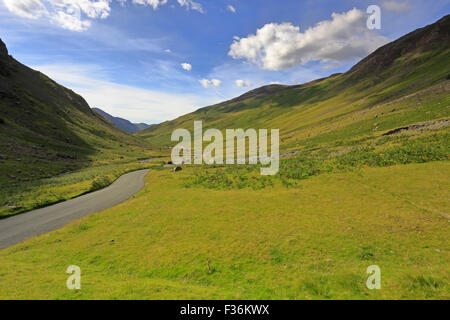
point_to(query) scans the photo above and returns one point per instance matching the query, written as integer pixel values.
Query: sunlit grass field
(311, 241)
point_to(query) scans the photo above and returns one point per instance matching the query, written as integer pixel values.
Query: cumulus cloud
(281, 46)
(397, 6)
(186, 66)
(243, 83)
(231, 8)
(77, 15)
(210, 83)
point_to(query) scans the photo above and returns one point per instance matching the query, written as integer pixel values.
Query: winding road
(23, 226)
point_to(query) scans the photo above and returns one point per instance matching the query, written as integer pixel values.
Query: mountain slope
(47, 129)
(121, 123)
(401, 83)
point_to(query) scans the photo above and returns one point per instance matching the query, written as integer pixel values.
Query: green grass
(310, 242)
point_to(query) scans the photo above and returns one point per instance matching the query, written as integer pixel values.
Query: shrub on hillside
(99, 183)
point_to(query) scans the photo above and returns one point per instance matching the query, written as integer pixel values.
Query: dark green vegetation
(48, 131)
(122, 124)
(380, 152)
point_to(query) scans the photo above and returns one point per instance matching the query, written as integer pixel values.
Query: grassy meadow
(311, 241)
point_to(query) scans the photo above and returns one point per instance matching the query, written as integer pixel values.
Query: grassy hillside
(47, 130)
(400, 84)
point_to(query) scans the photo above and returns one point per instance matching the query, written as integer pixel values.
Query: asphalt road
(23, 226)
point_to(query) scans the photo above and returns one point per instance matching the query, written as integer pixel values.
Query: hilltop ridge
(433, 36)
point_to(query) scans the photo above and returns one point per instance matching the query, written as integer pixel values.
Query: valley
(363, 180)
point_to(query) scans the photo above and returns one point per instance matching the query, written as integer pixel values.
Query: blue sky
(155, 60)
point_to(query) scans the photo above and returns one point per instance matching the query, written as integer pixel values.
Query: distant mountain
(121, 123)
(401, 83)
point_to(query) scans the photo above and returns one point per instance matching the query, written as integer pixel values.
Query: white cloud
(77, 15)
(186, 66)
(153, 3)
(243, 83)
(31, 9)
(135, 104)
(191, 5)
(281, 46)
(210, 83)
(68, 14)
(70, 22)
(167, 74)
(93, 9)
(231, 8)
(396, 6)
